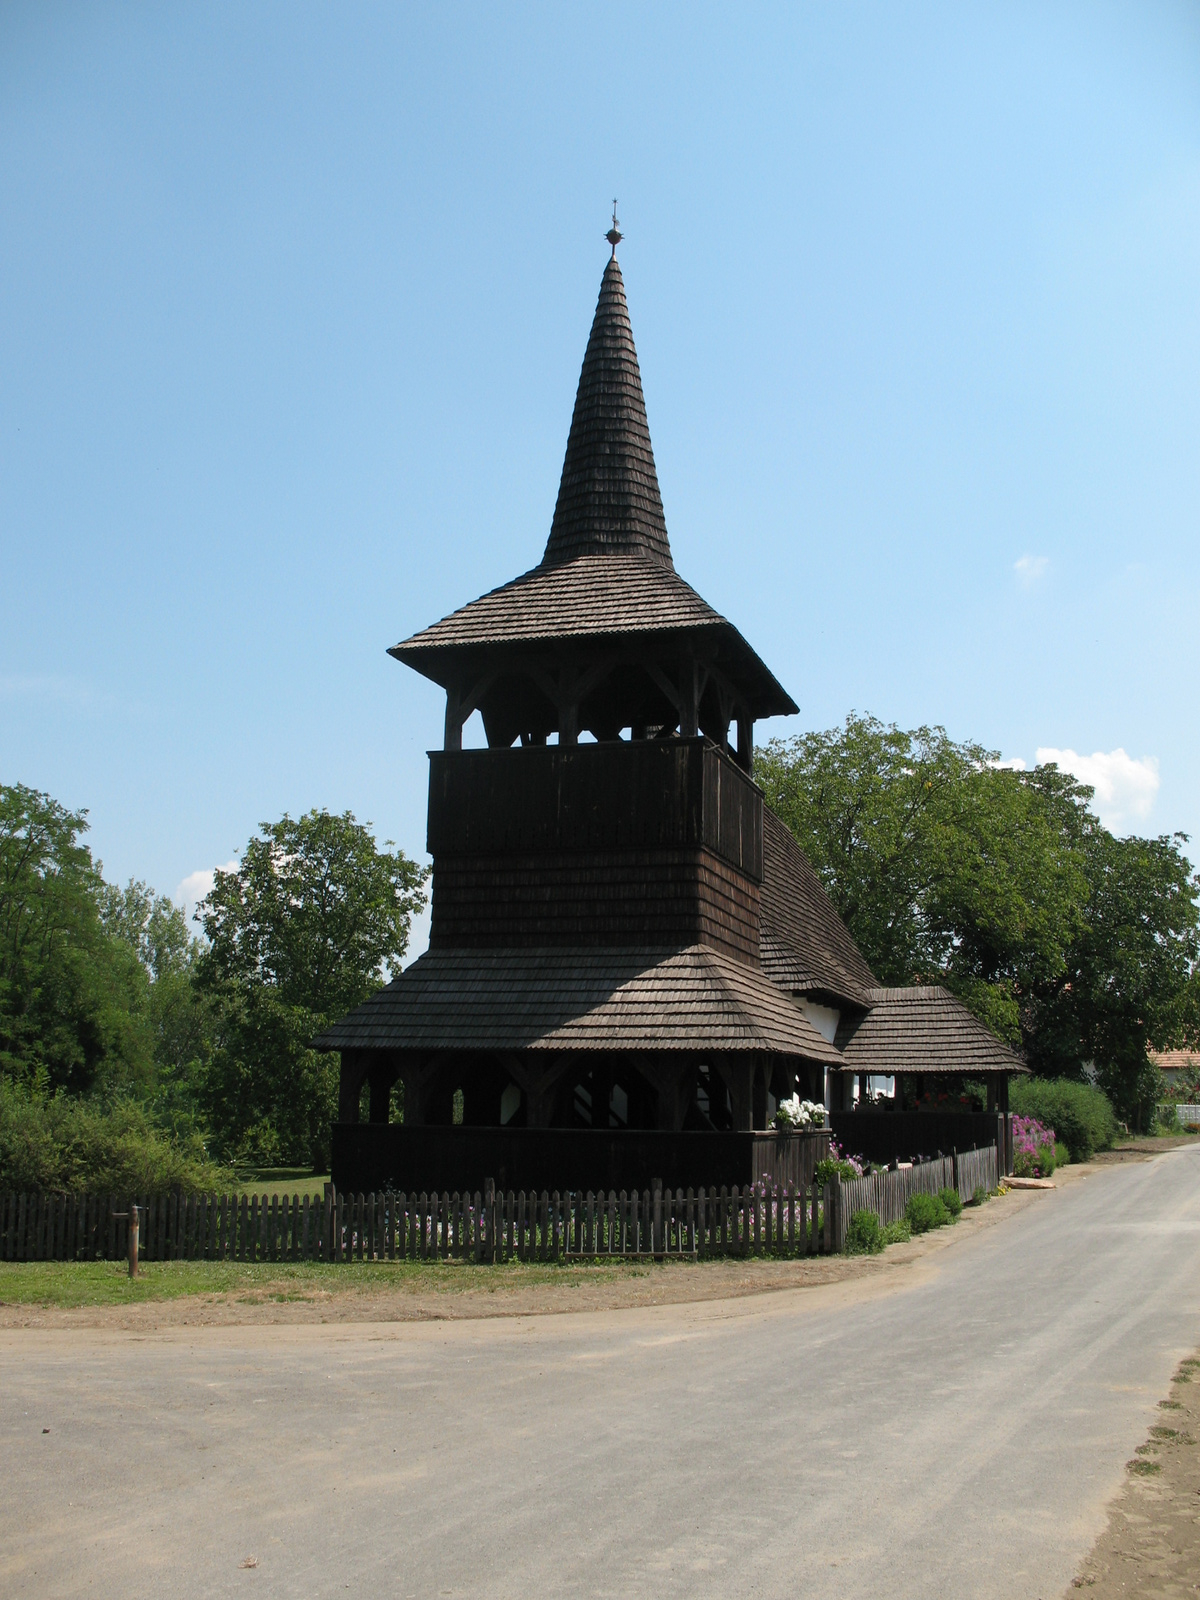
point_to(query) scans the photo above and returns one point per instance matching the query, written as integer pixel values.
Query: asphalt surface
(956, 1434)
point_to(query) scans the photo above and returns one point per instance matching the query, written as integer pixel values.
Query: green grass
(71, 1284)
(279, 1180)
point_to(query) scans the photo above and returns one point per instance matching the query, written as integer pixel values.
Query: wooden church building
(624, 939)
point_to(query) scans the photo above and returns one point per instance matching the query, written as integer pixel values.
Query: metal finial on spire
(614, 235)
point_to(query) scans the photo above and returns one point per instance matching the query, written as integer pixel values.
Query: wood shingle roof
(696, 999)
(607, 572)
(608, 496)
(924, 1029)
(804, 945)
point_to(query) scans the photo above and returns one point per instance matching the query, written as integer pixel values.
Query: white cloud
(1013, 763)
(197, 884)
(1125, 789)
(1030, 568)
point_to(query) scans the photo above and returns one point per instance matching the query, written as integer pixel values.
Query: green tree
(1130, 983)
(1076, 946)
(174, 1009)
(72, 998)
(946, 867)
(312, 922)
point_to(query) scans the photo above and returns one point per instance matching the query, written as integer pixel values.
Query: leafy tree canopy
(312, 922)
(1003, 885)
(72, 997)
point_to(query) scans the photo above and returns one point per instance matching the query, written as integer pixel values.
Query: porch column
(382, 1079)
(673, 1082)
(738, 1076)
(350, 1082)
(415, 1073)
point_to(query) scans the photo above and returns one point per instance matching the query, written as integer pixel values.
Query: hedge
(1080, 1114)
(59, 1143)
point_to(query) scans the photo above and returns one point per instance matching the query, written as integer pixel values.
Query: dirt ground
(452, 1291)
(1151, 1547)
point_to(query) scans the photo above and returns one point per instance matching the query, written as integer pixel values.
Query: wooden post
(689, 698)
(130, 1216)
(454, 719)
(745, 741)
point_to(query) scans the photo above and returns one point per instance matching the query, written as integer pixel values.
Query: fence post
(656, 1229)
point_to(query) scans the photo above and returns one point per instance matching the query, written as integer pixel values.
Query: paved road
(955, 1436)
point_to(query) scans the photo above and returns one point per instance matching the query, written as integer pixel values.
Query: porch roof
(694, 999)
(925, 1029)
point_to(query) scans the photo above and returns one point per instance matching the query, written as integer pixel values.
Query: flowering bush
(797, 1113)
(838, 1165)
(1033, 1148)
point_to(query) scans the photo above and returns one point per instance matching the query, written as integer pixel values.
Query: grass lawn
(280, 1180)
(106, 1283)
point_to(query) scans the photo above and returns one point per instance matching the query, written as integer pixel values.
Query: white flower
(797, 1113)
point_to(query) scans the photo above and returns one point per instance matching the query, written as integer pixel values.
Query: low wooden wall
(885, 1136)
(759, 1219)
(376, 1155)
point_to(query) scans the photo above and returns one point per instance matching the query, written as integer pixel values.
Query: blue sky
(294, 301)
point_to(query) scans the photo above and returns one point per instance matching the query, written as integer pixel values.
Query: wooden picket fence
(515, 1225)
(762, 1219)
(887, 1193)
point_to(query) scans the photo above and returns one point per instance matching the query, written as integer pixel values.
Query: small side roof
(580, 999)
(924, 1029)
(804, 945)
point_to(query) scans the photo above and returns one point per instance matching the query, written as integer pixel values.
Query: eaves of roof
(694, 999)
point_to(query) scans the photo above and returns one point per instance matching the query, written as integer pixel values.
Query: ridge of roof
(608, 495)
(883, 994)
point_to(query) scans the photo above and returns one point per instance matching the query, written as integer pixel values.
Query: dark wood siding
(667, 898)
(669, 794)
(624, 843)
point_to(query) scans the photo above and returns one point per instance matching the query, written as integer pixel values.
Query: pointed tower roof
(608, 498)
(607, 573)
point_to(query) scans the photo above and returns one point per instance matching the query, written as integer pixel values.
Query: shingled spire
(608, 498)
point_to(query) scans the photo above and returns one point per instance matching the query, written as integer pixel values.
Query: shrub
(838, 1165)
(60, 1143)
(925, 1211)
(1080, 1114)
(897, 1232)
(979, 1196)
(864, 1236)
(952, 1201)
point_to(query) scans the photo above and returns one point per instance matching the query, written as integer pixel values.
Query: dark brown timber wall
(611, 897)
(616, 843)
(374, 1156)
(645, 794)
(885, 1136)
